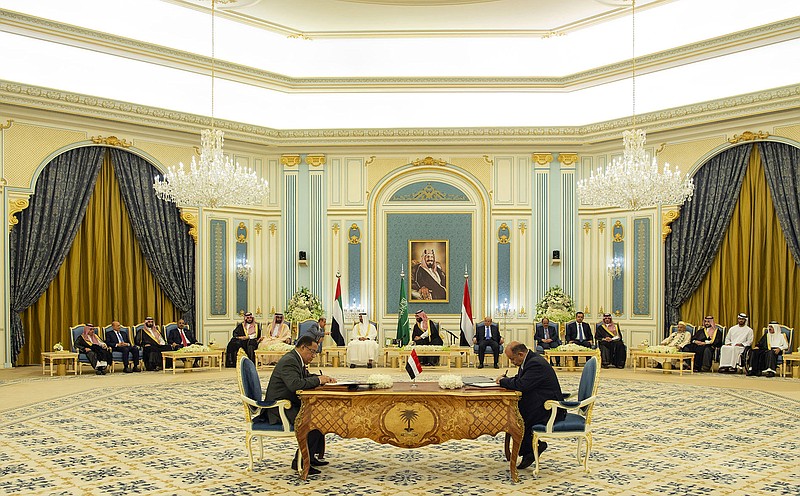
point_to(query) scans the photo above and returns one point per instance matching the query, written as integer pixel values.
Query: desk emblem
(408, 423)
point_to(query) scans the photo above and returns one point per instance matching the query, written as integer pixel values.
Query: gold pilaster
(315, 160)
(568, 159)
(542, 158)
(290, 160)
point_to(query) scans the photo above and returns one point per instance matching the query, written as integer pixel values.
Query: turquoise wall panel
(354, 267)
(241, 258)
(503, 265)
(641, 266)
(402, 228)
(618, 283)
(218, 286)
(429, 191)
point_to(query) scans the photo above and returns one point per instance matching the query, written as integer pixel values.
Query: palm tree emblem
(409, 416)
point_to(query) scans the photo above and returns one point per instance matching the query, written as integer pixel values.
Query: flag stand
(413, 382)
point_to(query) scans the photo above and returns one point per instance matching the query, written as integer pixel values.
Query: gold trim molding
(111, 141)
(748, 136)
(290, 160)
(667, 218)
(587, 227)
(272, 230)
(15, 206)
(488, 160)
(428, 161)
(8, 124)
(189, 216)
(369, 161)
(542, 158)
(315, 160)
(567, 159)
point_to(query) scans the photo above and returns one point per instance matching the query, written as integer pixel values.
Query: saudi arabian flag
(337, 326)
(402, 315)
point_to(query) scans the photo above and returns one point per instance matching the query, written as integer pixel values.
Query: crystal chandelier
(634, 181)
(215, 181)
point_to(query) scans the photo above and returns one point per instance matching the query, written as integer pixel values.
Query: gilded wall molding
(748, 136)
(7, 125)
(15, 206)
(190, 217)
(428, 161)
(775, 100)
(568, 159)
(317, 160)
(290, 160)
(542, 158)
(111, 141)
(70, 35)
(667, 218)
(488, 160)
(369, 161)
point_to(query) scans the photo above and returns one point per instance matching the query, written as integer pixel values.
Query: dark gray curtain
(782, 168)
(163, 237)
(46, 229)
(697, 233)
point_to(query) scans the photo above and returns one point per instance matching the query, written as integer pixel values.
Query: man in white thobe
(739, 337)
(362, 348)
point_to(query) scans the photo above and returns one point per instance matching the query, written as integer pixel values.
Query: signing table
(190, 355)
(410, 417)
(54, 356)
(667, 357)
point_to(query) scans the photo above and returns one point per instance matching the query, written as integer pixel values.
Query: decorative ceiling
(361, 64)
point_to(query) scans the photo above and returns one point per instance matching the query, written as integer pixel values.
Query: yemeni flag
(338, 315)
(467, 327)
(413, 367)
(402, 316)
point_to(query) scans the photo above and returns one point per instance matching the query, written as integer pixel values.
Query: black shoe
(352, 365)
(620, 366)
(128, 370)
(770, 374)
(496, 366)
(369, 365)
(542, 447)
(605, 365)
(480, 365)
(136, 368)
(723, 370)
(98, 372)
(318, 463)
(658, 366)
(196, 363)
(526, 462)
(706, 369)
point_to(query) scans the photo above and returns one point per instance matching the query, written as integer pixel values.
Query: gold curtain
(104, 277)
(754, 271)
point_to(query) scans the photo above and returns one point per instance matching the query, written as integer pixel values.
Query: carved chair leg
(249, 443)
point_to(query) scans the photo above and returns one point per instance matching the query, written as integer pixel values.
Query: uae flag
(467, 328)
(402, 316)
(338, 316)
(413, 367)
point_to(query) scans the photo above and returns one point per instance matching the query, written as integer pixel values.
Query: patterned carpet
(187, 439)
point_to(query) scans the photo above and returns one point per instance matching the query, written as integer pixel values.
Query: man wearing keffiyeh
(705, 341)
(98, 353)
(426, 332)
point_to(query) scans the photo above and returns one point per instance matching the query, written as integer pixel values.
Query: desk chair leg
(249, 442)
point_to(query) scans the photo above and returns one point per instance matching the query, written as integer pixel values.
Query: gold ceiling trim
(748, 136)
(429, 161)
(786, 98)
(111, 141)
(69, 35)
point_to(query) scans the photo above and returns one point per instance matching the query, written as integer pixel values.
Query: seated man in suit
(317, 332)
(488, 334)
(289, 376)
(609, 339)
(546, 337)
(426, 332)
(117, 339)
(98, 353)
(538, 382)
(153, 343)
(246, 336)
(579, 332)
(182, 336)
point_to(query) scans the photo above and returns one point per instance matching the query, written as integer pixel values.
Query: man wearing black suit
(289, 376)
(181, 337)
(579, 332)
(117, 339)
(538, 382)
(546, 337)
(488, 334)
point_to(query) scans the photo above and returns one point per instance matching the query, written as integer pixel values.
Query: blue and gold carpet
(187, 439)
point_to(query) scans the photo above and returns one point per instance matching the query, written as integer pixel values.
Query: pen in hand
(505, 374)
(320, 372)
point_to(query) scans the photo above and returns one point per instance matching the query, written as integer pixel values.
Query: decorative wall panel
(429, 191)
(218, 282)
(503, 263)
(618, 252)
(642, 266)
(354, 246)
(454, 227)
(318, 238)
(242, 237)
(290, 235)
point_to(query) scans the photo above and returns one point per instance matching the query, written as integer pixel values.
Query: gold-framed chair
(578, 422)
(83, 359)
(252, 396)
(789, 333)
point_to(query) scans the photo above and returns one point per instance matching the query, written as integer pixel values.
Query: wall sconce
(243, 270)
(615, 267)
(351, 312)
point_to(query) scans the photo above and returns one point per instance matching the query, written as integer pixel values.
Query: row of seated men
(736, 350)
(148, 343)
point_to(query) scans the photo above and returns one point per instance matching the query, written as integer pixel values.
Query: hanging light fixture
(216, 180)
(634, 181)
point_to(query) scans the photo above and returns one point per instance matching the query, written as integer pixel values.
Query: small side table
(55, 356)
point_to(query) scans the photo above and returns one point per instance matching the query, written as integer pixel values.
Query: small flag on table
(413, 367)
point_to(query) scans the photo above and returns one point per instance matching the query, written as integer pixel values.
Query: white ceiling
(297, 64)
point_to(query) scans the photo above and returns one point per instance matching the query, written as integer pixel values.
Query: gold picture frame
(429, 284)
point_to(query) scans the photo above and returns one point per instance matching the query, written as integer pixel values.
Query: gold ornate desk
(217, 355)
(667, 357)
(54, 356)
(409, 417)
(570, 356)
